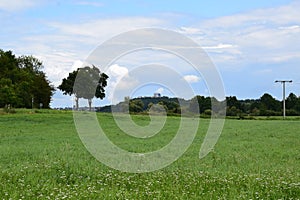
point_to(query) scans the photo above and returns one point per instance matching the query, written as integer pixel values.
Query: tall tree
(90, 83)
(270, 103)
(26, 81)
(291, 101)
(232, 101)
(8, 65)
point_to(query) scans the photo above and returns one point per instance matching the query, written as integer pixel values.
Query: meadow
(42, 157)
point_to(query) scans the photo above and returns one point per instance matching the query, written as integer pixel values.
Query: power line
(283, 91)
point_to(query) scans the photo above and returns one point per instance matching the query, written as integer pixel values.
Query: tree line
(266, 105)
(22, 83)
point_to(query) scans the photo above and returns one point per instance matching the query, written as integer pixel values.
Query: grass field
(42, 157)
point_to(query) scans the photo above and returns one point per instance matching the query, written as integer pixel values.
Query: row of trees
(171, 105)
(22, 83)
(266, 105)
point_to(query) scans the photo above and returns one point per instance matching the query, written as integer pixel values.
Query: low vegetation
(42, 157)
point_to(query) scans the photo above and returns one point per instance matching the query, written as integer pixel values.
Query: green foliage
(67, 83)
(171, 106)
(42, 157)
(293, 105)
(136, 106)
(264, 106)
(159, 108)
(269, 103)
(22, 80)
(207, 112)
(200, 104)
(90, 83)
(234, 107)
(7, 92)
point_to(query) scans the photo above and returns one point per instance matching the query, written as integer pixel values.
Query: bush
(207, 112)
(292, 112)
(9, 109)
(269, 113)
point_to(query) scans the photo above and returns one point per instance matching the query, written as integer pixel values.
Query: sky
(251, 43)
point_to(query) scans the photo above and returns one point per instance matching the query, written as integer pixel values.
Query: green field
(42, 157)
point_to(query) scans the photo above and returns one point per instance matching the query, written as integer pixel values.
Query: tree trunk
(76, 102)
(90, 104)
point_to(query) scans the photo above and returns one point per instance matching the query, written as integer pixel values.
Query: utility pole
(283, 89)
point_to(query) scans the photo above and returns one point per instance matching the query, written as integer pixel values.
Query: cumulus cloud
(119, 83)
(117, 71)
(191, 78)
(77, 64)
(57, 66)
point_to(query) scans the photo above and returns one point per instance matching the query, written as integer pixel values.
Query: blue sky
(252, 43)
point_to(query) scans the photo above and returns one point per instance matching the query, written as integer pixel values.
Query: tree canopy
(90, 83)
(22, 83)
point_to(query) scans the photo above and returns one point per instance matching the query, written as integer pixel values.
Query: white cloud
(105, 28)
(220, 46)
(119, 83)
(273, 16)
(191, 78)
(160, 90)
(290, 27)
(77, 64)
(117, 71)
(13, 5)
(265, 35)
(223, 49)
(58, 66)
(90, 3)
(72, 42)
(190, 30)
